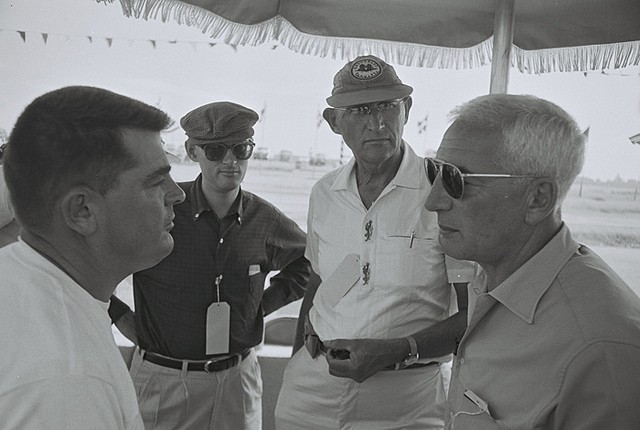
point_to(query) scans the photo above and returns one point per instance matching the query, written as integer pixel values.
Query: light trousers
(312, 399)
(178, 399)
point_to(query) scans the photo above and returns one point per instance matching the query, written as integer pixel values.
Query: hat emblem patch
(366, 69)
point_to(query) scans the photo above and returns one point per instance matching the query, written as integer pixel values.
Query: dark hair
(69, 137)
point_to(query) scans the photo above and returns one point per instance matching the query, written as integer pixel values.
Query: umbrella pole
(502, 40)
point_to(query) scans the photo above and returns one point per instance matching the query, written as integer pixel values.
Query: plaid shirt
(172, 298)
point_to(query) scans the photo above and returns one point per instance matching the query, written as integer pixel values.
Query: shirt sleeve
(286, 251)
(72, 403)
(459, 271)
(600, 389)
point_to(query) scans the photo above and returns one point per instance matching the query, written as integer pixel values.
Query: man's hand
(359, 359)
(127, 326)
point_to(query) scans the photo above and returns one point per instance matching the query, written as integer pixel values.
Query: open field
(603, 216)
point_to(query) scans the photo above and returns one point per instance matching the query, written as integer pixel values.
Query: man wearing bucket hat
(384, 276)
(199, 313)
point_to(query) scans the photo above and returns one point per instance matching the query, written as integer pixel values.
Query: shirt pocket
(411, 257)
(472, 417)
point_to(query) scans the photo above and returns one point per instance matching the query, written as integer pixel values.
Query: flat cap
(366, 79)
(219, 122)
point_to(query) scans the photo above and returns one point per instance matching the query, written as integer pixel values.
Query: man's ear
(541, 200)
(191, 151)
(331, 115)
(408, 102)
(78, 209)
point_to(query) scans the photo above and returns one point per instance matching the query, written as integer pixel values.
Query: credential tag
(218, 327)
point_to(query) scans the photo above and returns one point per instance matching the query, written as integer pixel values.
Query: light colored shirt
(403, 285)
(61, 368)
(6, 211)
(555, 346)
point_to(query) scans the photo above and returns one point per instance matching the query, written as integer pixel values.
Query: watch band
(413, 348)
(413, 354)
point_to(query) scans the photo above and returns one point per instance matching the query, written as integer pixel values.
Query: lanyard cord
(218, 279)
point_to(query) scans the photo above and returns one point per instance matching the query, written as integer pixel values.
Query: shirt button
(221, 240)
(461, 360)
(476, 290)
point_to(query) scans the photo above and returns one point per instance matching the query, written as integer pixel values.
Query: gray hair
(539, 137)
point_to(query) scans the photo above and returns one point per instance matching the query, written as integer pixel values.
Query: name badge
(218, 327)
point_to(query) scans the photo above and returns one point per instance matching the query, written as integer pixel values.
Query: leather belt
(208, 366)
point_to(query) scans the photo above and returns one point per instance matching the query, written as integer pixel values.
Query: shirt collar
(521, 292)
(199, 202)
(408, 174)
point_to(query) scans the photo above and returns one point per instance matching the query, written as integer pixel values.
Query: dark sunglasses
(217, 151)
(453, 178)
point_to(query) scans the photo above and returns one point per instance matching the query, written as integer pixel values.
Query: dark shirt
(171, 298)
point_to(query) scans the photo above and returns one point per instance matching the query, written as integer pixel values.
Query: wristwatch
(413, 354)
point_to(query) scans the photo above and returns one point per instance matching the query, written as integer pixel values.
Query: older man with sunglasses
(553, 338)
(374, 246)
(199, 313)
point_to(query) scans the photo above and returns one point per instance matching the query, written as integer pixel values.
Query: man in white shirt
(381, 321)
(90, 186)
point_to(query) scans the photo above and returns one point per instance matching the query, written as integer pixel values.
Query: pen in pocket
(413, 234)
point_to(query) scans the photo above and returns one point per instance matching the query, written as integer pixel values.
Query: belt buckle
(206, 366)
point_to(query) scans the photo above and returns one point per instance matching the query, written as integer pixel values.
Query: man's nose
(175, 195)
(438, 199)
(375, 119)
(229, 158)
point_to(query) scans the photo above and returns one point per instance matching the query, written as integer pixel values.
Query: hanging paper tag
(336, 286)
(218, 326)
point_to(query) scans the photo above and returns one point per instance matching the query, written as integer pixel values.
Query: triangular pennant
(23, 35)
(45, 36)
(153, 42)
(109, 41)
(90, 39)
(211, 44)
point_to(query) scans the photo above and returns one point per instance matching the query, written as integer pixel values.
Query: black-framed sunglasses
(217, 151)
(453, 178)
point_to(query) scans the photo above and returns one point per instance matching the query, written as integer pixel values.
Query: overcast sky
(94, 44)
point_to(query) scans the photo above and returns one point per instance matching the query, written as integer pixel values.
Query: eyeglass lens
(451, 177)
(366, 110)
(217, 151)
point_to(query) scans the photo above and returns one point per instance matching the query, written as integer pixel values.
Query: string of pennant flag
(28, 35)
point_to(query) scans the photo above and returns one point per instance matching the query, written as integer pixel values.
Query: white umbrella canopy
(546, 35)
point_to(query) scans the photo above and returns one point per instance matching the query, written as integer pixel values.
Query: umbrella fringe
(402, 53)
(580, 58)
(577, 58)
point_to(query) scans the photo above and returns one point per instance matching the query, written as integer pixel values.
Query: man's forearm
(441, 338)
(287, 286)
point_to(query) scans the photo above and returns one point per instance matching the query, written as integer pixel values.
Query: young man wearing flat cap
(199, 313)
(384, 276)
